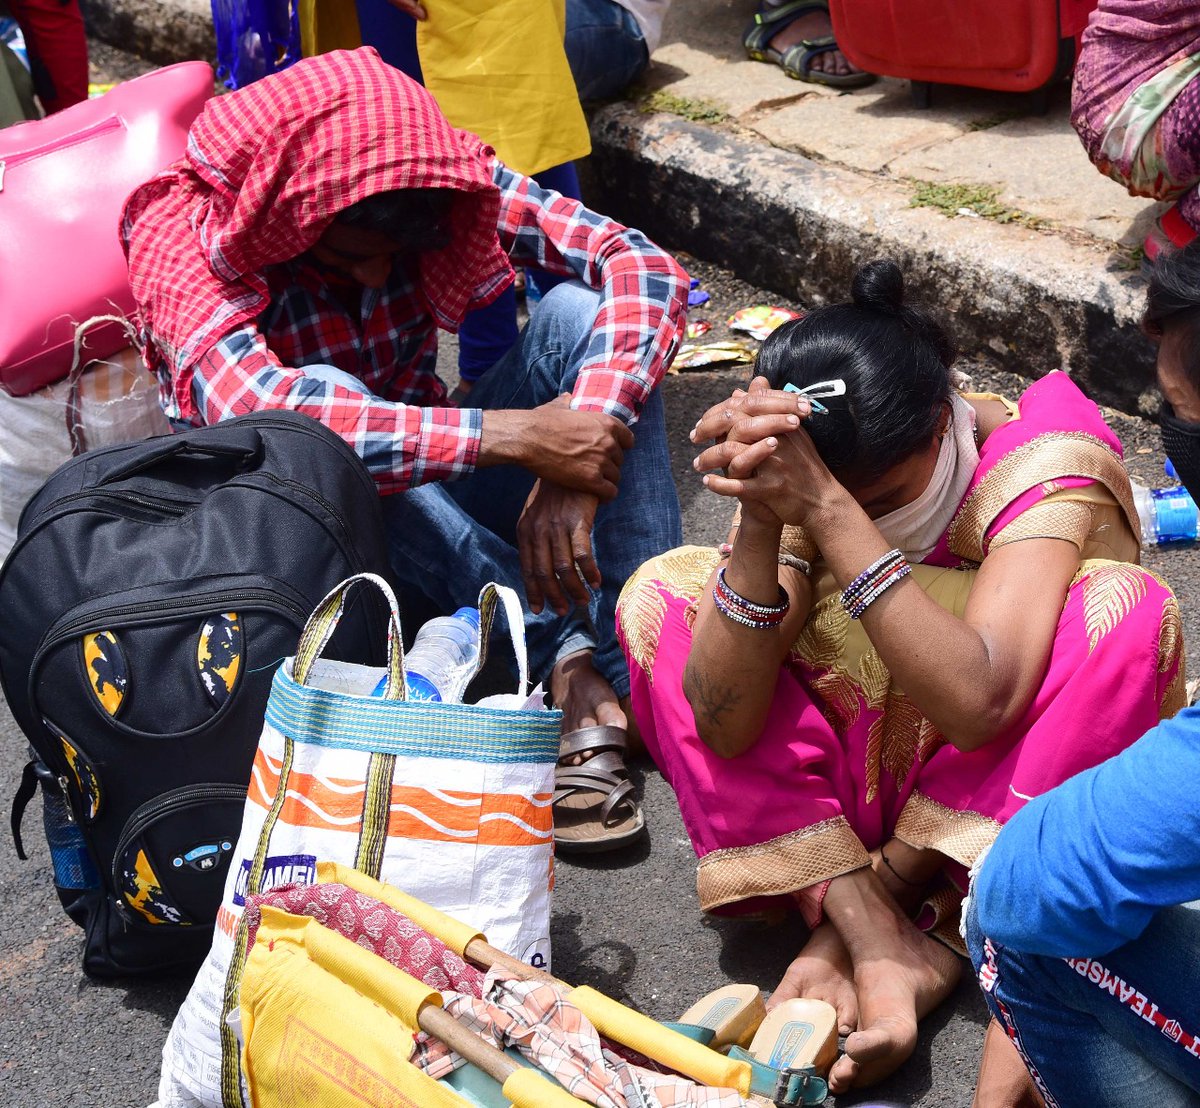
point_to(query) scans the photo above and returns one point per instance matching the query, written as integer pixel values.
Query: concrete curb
(1033, 300)
(161, 31)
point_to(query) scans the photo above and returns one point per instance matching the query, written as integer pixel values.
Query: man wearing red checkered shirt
(325, 222)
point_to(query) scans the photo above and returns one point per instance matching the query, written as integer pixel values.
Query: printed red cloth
(375, 927)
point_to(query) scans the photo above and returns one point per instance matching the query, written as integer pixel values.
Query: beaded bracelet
(737, 616)
(869, 576)
(878, 587)
(751, 607)
(896, 571)
(736, 607)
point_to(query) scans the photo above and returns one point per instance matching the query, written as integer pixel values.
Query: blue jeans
(605, 48)
(1119, 1030)
(450, 538)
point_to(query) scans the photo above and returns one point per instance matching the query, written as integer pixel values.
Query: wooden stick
(483, 954)
(440, 1024)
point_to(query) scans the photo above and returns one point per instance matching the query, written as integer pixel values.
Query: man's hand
(411, 7)
(554, 536)
(578, 450)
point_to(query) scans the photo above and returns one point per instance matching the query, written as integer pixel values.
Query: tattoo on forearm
(713, 700)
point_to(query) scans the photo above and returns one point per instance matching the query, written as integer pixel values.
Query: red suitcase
(1006, 45)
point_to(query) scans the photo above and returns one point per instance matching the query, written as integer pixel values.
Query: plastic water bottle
(443, 657)
(1167, 515)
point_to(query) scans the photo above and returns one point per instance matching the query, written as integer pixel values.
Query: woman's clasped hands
(762, 455)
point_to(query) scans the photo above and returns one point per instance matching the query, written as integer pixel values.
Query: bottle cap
(469, 615)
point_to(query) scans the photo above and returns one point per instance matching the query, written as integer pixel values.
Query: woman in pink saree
(930, 611)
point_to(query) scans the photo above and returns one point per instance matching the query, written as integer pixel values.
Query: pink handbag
(63, 182)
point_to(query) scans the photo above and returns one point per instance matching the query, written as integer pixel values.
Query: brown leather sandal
(594, 806)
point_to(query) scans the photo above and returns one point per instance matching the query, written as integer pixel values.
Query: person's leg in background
(605, 48)
(1119, 1031)
(57, 47)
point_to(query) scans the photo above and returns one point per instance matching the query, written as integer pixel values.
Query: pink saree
(845, 760)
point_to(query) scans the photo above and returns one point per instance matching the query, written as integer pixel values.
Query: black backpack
(152, 592)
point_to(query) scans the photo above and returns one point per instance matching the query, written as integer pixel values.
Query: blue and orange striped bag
(448, 802)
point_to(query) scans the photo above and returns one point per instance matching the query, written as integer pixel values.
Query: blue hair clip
(820, 388)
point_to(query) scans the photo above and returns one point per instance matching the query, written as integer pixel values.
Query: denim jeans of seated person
(447, 539)
(1122, 1029)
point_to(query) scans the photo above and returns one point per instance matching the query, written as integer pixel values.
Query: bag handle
(492, 596)
(241, 445)
(74, 412)
(323, 622)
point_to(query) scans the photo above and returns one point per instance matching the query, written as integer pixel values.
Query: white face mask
(916, 528)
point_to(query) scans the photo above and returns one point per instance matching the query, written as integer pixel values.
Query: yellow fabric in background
(498, 68)
(328, 25)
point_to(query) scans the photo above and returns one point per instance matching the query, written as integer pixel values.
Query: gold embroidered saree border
(782, 865)
(929, 825)
(1041, 460)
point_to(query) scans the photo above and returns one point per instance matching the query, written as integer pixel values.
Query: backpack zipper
(112, 123)
(129, 616)
(146, 814)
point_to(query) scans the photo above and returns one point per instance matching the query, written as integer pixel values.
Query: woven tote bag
(449, 802)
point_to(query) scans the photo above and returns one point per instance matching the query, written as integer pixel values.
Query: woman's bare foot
(900, 976)
(822, 971)
(814, 25)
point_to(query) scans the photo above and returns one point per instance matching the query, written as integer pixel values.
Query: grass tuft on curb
(973, 200)
(697, 111)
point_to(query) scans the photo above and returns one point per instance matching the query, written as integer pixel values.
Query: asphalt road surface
(626, 923)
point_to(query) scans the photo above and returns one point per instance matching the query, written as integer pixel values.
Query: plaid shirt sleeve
(403, 445)
(644, 290)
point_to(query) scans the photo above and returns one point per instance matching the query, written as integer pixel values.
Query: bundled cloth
(312, 974)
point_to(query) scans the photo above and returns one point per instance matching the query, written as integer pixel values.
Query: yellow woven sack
(327, 1024)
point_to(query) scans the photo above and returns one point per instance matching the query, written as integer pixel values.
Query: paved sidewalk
(995, 211)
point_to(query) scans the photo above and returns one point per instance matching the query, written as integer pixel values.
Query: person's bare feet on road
(900, 976)
(822, 971)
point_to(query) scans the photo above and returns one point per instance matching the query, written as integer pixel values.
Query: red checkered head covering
(269, 167)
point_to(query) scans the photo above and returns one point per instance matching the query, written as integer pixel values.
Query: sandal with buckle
(797, 60)
(792, 1051)
(594, 806)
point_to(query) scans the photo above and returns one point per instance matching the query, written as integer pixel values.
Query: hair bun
(879, 287)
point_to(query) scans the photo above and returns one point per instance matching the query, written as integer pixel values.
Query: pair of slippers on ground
(789, 1049)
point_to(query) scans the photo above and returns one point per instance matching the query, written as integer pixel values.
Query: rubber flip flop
(732, 1014)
